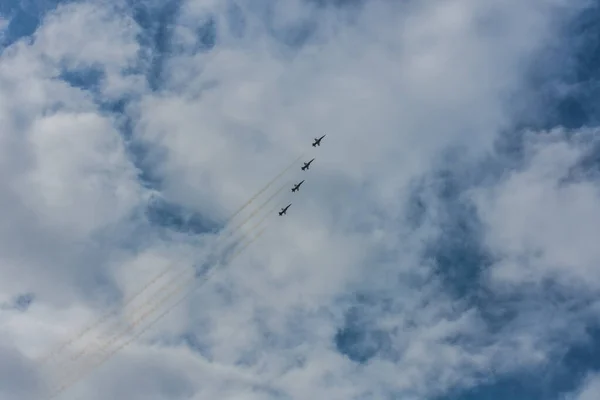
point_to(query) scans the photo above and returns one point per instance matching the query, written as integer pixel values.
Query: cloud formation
(409, 265)
(542, 219)
(590, 389)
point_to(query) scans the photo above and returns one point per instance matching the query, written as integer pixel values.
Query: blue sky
(443, 246)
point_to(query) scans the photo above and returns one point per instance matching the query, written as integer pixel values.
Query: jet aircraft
(297, 186)
(307, 164)
(318, 141)
(284, 210)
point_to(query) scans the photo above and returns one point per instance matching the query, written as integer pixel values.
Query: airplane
(284, 210)
(307, 164)
(297, 186)
(318, 141)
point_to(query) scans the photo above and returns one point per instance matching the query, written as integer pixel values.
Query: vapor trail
(64, 387)
(43, 360)
(268, 185)
(175, 282)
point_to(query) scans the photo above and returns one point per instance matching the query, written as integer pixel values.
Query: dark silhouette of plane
(318, 141)
(297, 187)
(307, 164)
(284, 210)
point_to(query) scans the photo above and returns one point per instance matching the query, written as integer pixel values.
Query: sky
(442, 247)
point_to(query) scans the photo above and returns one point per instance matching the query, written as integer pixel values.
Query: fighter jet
(318, 141)
(307, 164)
(284, 210)
(297, 187)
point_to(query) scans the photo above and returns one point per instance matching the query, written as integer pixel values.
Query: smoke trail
(43, 360)
(82, 374)
(268, 185)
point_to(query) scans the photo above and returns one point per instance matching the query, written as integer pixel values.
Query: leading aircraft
(284, 210)
(307, 164)
(318, 141)
(297, 186)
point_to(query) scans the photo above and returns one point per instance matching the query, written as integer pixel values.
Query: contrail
(268, 185)
(106, 316)
(175, 281)
(64, 387)
(249, 217)
(43, 360)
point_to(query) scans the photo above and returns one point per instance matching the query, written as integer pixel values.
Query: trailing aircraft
(307, 164)
(284, 210)
(318, 141)
(297, 187)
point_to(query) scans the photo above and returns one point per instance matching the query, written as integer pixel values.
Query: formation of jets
(306, 166)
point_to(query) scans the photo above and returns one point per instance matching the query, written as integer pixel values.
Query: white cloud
(66, 181)
(542, 223)
(107, 42)
(392, 90)
(589, 390)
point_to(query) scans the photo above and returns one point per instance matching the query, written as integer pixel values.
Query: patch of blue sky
(457, 253)
(24, 17)
(552, 381)
(581, 106)
(88, 79)
(20, 303)
(567, 78)
(23, 302)
(194, 343)
(290, 37)
(157, 29)
(157, 23)
(236, 20)
(207, 35)
(143, 156)
(514, 388)
(170, 215)
(588, 168)
(359, 339)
